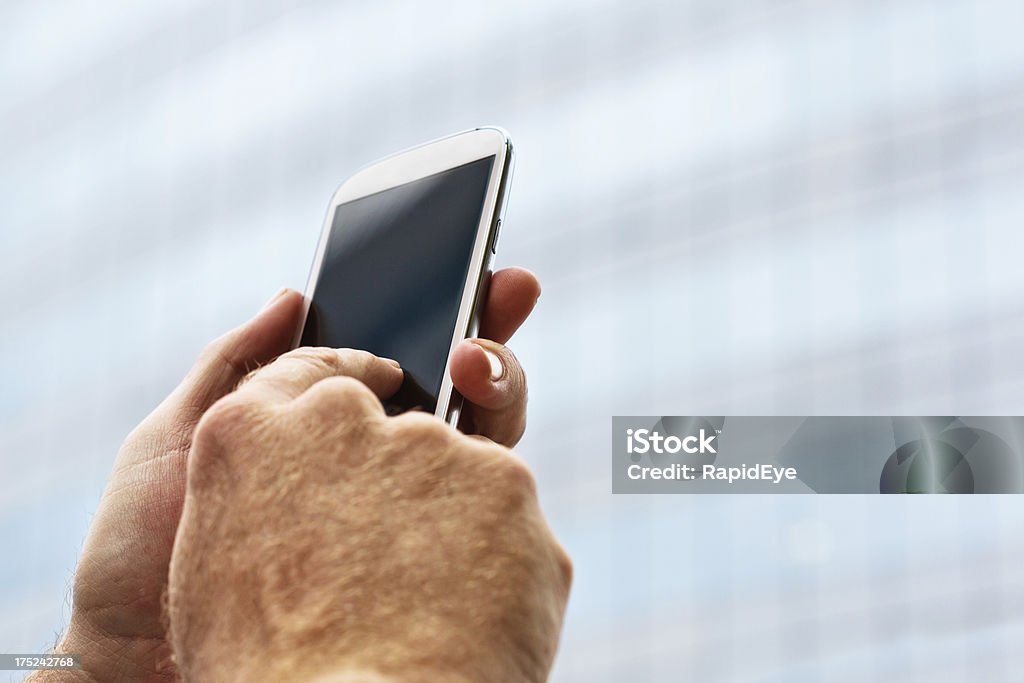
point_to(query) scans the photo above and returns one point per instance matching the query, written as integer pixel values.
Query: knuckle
(514, 478)
(345, 387)
(225, 418)
(218, 353)
(221, 436)
(340, 362)
(425, 432)
(564, 564)
(516, 367)
(340, 392)
(516, 374)
(212, 350)
(316, 355)
(355, 356)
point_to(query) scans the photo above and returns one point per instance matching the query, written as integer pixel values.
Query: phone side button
(494, 240)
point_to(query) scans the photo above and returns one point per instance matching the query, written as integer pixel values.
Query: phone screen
(393, 273)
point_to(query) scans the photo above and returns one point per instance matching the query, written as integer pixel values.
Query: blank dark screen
(393, 273)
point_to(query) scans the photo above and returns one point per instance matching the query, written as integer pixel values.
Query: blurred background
(735, 207)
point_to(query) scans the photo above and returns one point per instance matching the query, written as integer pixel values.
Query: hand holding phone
(404, 262)
(118, 596)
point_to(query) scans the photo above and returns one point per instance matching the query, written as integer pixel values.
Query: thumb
(492, 381)
(227, 359)
(221, 365)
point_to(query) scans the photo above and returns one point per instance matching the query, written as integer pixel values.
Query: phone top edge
(419, 161)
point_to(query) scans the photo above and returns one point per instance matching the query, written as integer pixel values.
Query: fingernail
(281, 293)
(393, 362)
(497, 368)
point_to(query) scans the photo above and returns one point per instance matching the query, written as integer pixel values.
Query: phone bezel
(413, 164)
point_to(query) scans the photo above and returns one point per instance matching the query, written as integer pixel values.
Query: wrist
(372, 676)
(104, 656)
(343, 672)
(313, 665)
(84, 674)
(61, 676)
(352, 677)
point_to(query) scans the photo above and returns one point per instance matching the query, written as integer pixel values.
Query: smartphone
(404, 259)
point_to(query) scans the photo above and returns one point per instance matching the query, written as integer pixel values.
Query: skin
(324, 541)
(117, 622)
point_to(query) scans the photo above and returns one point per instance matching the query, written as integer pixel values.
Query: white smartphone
(404, 259)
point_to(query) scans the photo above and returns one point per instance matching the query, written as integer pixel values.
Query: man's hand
(116, 614)
(323, 541)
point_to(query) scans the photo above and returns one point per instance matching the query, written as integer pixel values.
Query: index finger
(292, 374)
